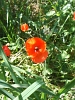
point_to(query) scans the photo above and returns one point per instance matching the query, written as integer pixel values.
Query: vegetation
(46, 72)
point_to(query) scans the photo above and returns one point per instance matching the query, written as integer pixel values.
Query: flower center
(36, 49)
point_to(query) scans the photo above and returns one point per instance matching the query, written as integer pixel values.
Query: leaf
(66, 7)
(31, 89)
(3, 84)
(65, 89)
(8, 65)
(65, 55)
(46, 91)
(6, 93)
(50, 13)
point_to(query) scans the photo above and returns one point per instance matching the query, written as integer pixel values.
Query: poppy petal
(31, 43)
(41, 57)
(6, 50)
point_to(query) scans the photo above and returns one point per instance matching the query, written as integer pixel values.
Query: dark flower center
(36, 49)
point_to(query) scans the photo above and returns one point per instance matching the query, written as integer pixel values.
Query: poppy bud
(24, 27)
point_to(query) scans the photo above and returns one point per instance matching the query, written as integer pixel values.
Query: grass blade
(6, 93)
(65, 89)
(4, 84)
(31, 89)
(8, 65)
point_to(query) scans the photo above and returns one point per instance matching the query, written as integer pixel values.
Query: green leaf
(6, 93)
(46, 91)
(5, 30)
(65, 89)
(8, 65)
(31, 89)
(3, 84)
(66, 7)
(65, 55)
(50, 13)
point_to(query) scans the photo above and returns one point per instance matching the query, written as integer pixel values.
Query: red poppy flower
(74, 16)
(36, 49)
(6, 50)
(24, 27)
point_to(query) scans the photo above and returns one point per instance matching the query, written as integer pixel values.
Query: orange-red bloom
(6, 50)
(24, 27)
(74, 16)
(36, 49)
